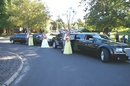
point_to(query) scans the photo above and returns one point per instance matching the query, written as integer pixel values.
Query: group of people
(123, 38)
(29, 40)
(66, 49)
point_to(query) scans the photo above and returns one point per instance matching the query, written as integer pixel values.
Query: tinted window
(98, 40)
(88, 37)
(80, 36)
(96, 36)
(106, 37)
(40, 35)
(72, 36)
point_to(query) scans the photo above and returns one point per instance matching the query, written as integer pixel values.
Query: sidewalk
(10, 66)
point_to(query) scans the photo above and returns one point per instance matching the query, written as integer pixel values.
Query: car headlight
(119, 50)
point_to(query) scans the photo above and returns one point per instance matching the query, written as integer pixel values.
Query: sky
(60, 7)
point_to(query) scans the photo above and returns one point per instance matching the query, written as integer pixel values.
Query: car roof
(90, 33)
(20, 34)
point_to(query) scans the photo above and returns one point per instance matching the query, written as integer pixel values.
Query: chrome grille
(127, 51)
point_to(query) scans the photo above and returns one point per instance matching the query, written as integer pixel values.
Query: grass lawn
(120, 32)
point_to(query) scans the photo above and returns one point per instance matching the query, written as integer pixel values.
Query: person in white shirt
(64, 33)
(27, 37)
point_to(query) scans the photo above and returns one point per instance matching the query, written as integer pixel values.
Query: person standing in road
(44, 43)
(117, 37)
(27, 37)
(30, 40)
(63, 39)
(123, 39)
(67, 47)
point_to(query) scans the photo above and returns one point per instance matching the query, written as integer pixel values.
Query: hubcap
(102, 55)
(12, 41)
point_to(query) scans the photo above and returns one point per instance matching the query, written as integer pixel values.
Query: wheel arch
(107, 48)
(12, 40)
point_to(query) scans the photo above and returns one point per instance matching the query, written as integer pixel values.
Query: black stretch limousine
(101, 45)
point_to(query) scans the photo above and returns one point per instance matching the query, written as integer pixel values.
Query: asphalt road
(49, 67)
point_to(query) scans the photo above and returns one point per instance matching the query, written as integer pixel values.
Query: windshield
(97, 36)
(101, 36)
(101, 40)
(105, 37)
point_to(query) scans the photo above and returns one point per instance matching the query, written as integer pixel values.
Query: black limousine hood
(112, 43)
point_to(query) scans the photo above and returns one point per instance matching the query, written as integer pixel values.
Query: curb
(15, 75)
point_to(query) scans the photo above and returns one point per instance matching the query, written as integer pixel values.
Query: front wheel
(12, 41)
(54, 45)
(104, 55)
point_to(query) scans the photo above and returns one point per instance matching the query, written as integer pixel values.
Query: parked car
(21, 38)
(104, 48)
(93, 43)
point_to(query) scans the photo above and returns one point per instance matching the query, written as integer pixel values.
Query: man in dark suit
(63, 38)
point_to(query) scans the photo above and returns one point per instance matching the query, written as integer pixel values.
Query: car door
(92, 44)
(16, 38)
(23, 38)
(80, 42)
(58, 39)
(72, 39)
(87, 43)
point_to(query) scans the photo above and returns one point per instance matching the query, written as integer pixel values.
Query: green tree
(29, 14)
(127, 17)
(80, 23)
(106, 14)
(60, 23)
(3, 14)
(54, 25)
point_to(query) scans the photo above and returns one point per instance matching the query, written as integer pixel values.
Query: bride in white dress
(44, 41)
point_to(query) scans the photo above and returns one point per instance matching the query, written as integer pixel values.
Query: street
(49, 67)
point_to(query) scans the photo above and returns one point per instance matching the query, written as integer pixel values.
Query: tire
(104, 55)
(12, 41)
(54, 45)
